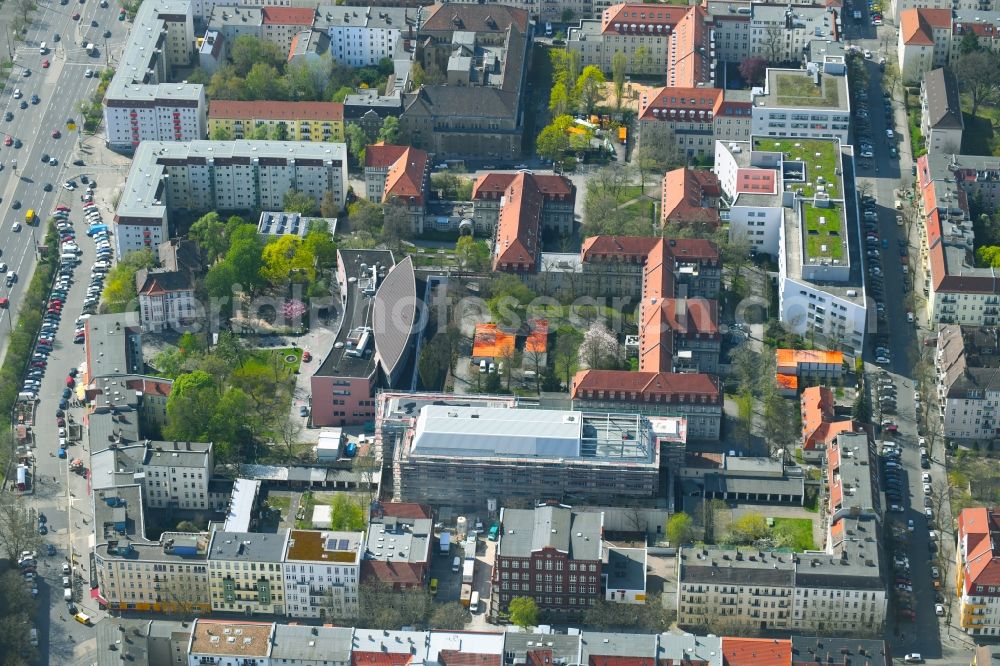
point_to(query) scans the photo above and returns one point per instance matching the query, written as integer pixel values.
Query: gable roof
(944, 108)
(288, 15)
(978, 529)
(645, 384)
(684, 197)
(275, 110)
(756, 651)
(474, 18)
(917, 25)
(641, 19)
(680, 103)
(661, 320)
(407, 176)
(818, 425)
(382, 155)
(157, 281)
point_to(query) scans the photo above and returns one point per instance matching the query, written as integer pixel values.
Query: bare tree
(18, 528)
(289, 428)
(772, 42)
(600, 349)
(536, 358)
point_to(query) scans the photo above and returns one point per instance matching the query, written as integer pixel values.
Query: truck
(22, 477)
(466, 595)
(622, 135)
(468, 571)
(445, 542)
(30, 217)
(91, 49)
(494, 533)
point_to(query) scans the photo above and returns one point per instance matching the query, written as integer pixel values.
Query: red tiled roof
(617, 247)
(492, 185)
(448, 17)
(359, 658)
(403, 574)
(381, 155)
(459, 658)
(680, 103)
(978, 529)
(273, 110)
(687, 317)
(406, 510)
(818, 426)
(684, 194)
(688, 64)
(917, 25)
(288, 16)
(644, 385)
(756, 651)
(405, 178)
(539, 657)
(648, 20)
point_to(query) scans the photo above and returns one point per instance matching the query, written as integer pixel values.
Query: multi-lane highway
(59, 88)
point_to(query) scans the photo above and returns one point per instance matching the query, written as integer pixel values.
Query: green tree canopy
(346, 514)
(287, 259)
(191, 406)
(119, 288)
(680, 529)
(209, 232)
(523, 612)
(247, 51)
(390, 130)
(298, 202)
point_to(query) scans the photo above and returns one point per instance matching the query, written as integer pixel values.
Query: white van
(474, 602)
(68, 257)
(43, 48)
(67, 594)
(456, 564)
(482, 367)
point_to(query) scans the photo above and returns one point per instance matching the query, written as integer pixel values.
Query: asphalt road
(59, 88)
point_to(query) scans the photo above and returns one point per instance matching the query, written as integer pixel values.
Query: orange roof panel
(756, 651)
(491, 342)
(788, 382)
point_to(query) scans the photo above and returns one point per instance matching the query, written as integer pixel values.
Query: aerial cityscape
(499, 332)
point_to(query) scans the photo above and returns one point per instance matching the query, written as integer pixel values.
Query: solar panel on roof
(343, 544)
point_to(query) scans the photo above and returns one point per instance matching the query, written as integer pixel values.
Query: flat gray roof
(251, 547)
(142, 196)
(409, 541)
(625, 568)
(527, 531)
(314, 644)
(380, 18)
(241, 506)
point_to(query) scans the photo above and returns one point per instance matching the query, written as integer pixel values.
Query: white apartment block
(322, 573)
(277, 25)
(754, 201)
(246, 572)
(775, 32)
(140, 103)
(361, 36)
(221, 175)
(924, 43)
(782, 109)
(171, 474)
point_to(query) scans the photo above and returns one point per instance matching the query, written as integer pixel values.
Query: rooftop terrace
(820, 159)
(825, 238)
(798, 89)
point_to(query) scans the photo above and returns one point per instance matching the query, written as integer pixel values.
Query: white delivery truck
(445, 542)
(468, 570)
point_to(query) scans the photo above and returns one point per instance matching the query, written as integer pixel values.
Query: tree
(221, 133)
(346, 514)
(380, 606)
(650, 616)
(390, 130)
(247, 51)
(451, 616)
(567, 15)
(979, 77)
(619, 62)
(287, 259)
(279, 132)
(969, 44)
(567, 348)
(747, 529)
(298, 202)
(773, 39)
(752, 70)
(18, 526)
(327, 205)
(119, 288)
(306, 81)
(641, 59)
(590, 88)
(366, 216)
(357, 141)
(259, 132)
(862, 410)
(263, 82)
(191, 406)
(509, 300)
(559, 100)
(209, 232)
(17, 610)
(396, 226)
(319, 242)
(523, 612)
(680, 529)
(473, 255)
(24, 8)
(988, 256)
(553, 141)
(600, 349)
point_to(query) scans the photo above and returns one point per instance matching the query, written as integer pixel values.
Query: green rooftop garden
(824, 234)
(800, 90)
(820, 157)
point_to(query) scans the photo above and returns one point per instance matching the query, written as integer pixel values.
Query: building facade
(362, 36)
(322, 573)
(941, 121)
(824, 114)
(924, 42)
(551, 554)
(977, 562)
(166, 299)
(246, 573)
(968, 384)
(302, 121)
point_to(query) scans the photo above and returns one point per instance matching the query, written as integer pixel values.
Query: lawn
(800, 528)
(824, 232)
(820, 157)
(799, 90)
(261, 359)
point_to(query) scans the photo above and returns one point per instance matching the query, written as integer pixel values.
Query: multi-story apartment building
(634, 267)
(551, 554)
(278, 25)
(134, 573)
(968, 384)
(166, 298)
(941, 121)
(836, 591)
(406, 185)
(303, 121)
(957, 290)
(399, 545)
(517, 208)
(697, 398)
(800, 191)
(650, 37)
(775, 32)
(479, 111)
(690, 197)
(686, 116)
(221, 175)
(380, 302)
(924, 41)
(203, 8)
(172, 475)
(246, 573)
(682, 334)
(322, 573)
(362, 36)
(465, 453)
(201, 642)
(977, 570)
(810, 103)
(140, 103)
(819, 423)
